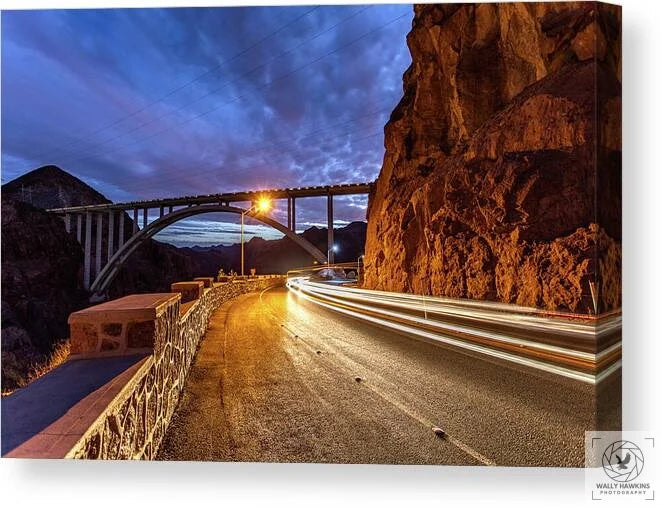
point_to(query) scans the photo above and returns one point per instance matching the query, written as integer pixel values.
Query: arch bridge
(111, 217)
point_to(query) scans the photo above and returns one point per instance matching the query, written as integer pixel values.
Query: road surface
(279, 379)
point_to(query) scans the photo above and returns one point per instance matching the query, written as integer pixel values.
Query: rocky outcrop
(41, 286)
(501, 178)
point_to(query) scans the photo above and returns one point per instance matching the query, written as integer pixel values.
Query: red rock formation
(501, 178)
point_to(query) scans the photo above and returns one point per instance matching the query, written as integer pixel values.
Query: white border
(54, 483)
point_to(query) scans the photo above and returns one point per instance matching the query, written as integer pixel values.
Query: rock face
(502, 173)
(41, 286)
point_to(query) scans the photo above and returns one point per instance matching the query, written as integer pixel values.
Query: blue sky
(144, 103)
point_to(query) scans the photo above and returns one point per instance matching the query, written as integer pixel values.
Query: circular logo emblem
(622, 461)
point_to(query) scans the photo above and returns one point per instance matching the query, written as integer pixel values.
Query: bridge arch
(114, 264)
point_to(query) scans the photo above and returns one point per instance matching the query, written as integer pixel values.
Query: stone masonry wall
(133, 425)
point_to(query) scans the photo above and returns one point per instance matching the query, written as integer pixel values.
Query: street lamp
(262, 205)
(333, 248)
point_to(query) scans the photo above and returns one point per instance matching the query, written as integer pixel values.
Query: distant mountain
(51, 187)
(279, 255)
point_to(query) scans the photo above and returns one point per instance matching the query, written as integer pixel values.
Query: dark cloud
(282, 96)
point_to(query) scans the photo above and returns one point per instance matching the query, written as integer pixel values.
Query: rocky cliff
(41, 286)
(501, 178)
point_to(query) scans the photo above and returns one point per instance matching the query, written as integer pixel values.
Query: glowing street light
(333, 248)
(262, 205)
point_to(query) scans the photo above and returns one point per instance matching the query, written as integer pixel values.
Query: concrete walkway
(33, 408)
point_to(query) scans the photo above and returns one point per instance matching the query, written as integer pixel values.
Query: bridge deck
(280, 193)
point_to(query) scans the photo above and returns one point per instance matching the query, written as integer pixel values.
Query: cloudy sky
(145, 103)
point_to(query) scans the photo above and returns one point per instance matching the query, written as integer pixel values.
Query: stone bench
(206, 280)
(189, 291)
(119, 327)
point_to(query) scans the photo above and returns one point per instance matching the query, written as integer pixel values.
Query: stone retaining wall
(133, 425)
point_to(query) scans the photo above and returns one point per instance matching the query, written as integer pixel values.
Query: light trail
(584, 349)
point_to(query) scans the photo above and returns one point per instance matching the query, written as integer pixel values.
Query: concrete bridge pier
(99, 237)
(331, 254)
(120, 233)
(291, 213)
(111, 233)
(87, 267)
(135, 220)
(288, 212)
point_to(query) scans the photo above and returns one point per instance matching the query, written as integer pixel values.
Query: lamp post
(333, 248)
(262, 205)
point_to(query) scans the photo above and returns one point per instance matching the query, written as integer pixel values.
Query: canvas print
(321, 234)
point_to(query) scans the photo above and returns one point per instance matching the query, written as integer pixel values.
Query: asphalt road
(278, 379)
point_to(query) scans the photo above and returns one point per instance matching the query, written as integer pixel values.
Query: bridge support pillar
(293, 214)
(88, 250)
(331, 256)
(79, 228)
(170, 209)
(288, 212)
(135, 220)
(161, 212)
(99, 235)
(145, 212)
(67, 223)
(111, 233)
(120, 233)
